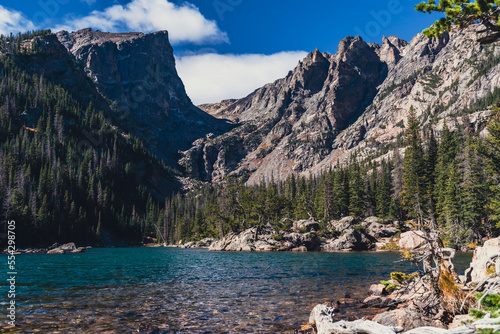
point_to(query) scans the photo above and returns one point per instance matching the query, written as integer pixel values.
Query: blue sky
(227, 48)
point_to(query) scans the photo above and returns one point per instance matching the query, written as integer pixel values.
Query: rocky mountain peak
(397, 42)
(137, 72)
(311, 73)
(349, 42)
(390, 50)
(295, 119)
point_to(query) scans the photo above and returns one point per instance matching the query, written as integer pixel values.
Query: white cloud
(13, 21)
(213, 77)
(184, 22)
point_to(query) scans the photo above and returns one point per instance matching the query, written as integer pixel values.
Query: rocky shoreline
(346, 234)
(402, 309)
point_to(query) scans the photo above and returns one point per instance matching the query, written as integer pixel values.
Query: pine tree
(447, 152)
(473, 190)
(491, 152)
(461, 14)
(384, 191)
(431, 156)
(452, 207)
(413, 169)
(356, 193)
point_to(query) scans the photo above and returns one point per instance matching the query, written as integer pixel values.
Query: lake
(118, 290)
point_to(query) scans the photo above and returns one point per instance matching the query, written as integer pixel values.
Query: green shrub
(390, 246)
(476, 314)
(490, 304)
(401, 277)
(389, 287)
(359, 228)
(277, 237)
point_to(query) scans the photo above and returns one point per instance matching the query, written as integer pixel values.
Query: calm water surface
(188, 291)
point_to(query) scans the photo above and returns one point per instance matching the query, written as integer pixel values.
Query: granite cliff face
(136, 73)
(291, 124)
(356, 100)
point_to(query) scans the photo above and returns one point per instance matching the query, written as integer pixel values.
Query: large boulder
(377, 302)
(411, 240)
(311, 242)
(483, 261)
(306, 225)
(56, 251)
(374, 228)
(242, 242)
(68, 247)
(343, 224)
(204, 243)
(188, 245)
(268, 245)
(235, 242)
(377, 289)
(406, 318)
(350, 240)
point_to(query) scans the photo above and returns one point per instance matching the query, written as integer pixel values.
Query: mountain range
(325, 109)
(357, 100)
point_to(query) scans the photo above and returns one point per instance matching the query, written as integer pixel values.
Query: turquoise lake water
(118, 290)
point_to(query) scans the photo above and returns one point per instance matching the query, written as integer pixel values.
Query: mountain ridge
(302, 128)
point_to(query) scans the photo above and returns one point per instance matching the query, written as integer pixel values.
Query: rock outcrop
(484, 262)
(346, 234)
(136, 72)
(203, 243)
(350, 240)
(264, 239)
(66, 248)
